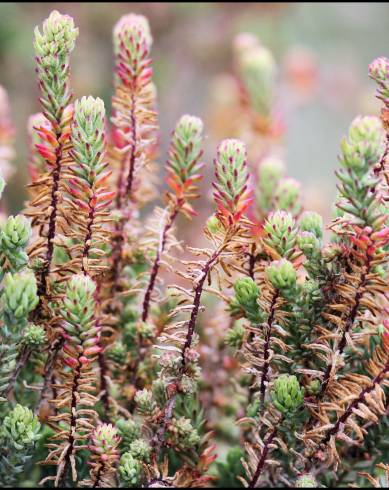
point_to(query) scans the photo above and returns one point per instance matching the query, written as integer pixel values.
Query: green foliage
(247, 295)
(282, 274)
(129, 431)
(14, 237)
(287, 394)
(53, 47)
(231, 469)
(18, 436)
(281, 231)
(272, 346)
(130, 471)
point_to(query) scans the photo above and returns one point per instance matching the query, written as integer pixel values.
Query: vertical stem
(349, 322)
(262, 459)
(155, 269)
(198, 290)
(361, 398)
(266, 349)
(56, 175)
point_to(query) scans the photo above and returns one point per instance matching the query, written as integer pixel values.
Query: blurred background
(323, 50)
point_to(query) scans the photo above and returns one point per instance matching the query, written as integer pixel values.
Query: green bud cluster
(312, 222)
(314, 387)
(18, 435)
(281, 233)
(133, 31)
(364, 145)
(247, 294)
(258, 71)
(379, 72)
(231, 172)
(181, 434)
(282, 275)
(287, 395)
(18, 300)
(53, 48)
(360, 152)
(140, 450)
(287, 196)
(105, 439)
(158, 388)
(14, 236)
(253, 408)
(270, 171)
(235, 335)
(130, 470)
(117, 353)
(20, 427)
(88, 140)
(145, 330)
(130, 334)
(19, 297)
(78, 304)
(129, 430)
(34, 336)
(308, 243)
(184, 153)
(145, 402)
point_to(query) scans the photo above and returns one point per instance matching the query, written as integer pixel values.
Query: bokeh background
(323, 50)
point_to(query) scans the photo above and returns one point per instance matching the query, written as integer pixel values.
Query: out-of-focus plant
(273, 344)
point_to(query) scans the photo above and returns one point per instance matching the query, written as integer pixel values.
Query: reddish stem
(198, 290)
(88, 236)
(266, 349)
(56, 175)
(73, 420)
(262, 459)
(155, 269)
(349, 323)
(361, 398)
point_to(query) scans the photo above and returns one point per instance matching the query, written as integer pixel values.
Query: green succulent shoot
(258, 71)
(129, 430)
(88, 139)
(79, 303)
(183, 165)
(34, 336)
(140, 450)
(53, 47)
(130, 470)
(246, 294)
(281, 233)
(14, 237)
(287, 395)
(19, 297)
(361, 151)
(270, 171)
(379, 72)
(282, 274)
(287, 196)
(231, 193)
(145, 401)
(308, 243)
(132, 30)
(364, 145)
(235, 335)
(312, 222)
(21, 427)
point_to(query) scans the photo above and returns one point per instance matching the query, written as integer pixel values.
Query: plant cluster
(272, 343)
